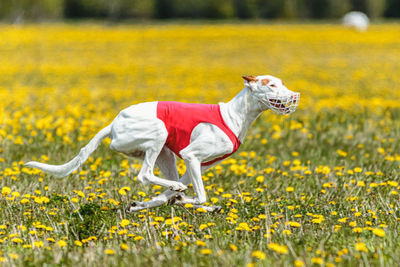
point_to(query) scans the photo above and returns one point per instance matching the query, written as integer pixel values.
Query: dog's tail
(75, 163)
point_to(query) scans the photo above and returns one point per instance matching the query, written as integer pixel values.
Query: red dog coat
(181, 118)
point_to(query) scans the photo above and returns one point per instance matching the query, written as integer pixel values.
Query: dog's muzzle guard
(282, 105)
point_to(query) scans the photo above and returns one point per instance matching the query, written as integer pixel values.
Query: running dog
(201, 134)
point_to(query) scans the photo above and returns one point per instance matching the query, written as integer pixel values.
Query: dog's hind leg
(147, 176)
(157, 200)
(167, 164)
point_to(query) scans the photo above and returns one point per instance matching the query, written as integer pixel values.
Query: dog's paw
(135, 206)
(178, 187)
(177, 199)
(213, 209)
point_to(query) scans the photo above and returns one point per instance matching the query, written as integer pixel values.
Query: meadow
(319, 187)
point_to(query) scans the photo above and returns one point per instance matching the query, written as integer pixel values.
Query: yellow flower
(286, 232)
(61, 243)
(38, 244)
(5, 191)
(17, 240)
(294, 224)
(200, 243)
(78, 243)
(361, 183)
(142, 194)
(379, 232)
(317, 260)
(203, 226)
(24, 201)
(258, 254)
(299, 263)
(290, 189)
(124, 190)
(260, 179)
(205, 251)
(360, 246)
(14, 256)
(109, 251)
(124, 222)
(233, 247)
(124, 246)
(352, 224)
(278, 248)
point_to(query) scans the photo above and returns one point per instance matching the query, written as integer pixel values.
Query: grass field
(319, 187)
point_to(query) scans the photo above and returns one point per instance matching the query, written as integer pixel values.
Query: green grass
(96, 217)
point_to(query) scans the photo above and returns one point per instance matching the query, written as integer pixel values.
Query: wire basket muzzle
(283, 105)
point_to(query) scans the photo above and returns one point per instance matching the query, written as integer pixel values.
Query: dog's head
(271, 92)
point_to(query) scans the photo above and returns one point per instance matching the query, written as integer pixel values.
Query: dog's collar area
(281, 105)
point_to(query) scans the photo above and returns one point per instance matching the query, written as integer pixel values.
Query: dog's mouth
(283, 105)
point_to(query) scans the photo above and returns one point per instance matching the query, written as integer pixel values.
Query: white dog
(200, 134)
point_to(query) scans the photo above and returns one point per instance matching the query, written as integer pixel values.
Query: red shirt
(181, 118)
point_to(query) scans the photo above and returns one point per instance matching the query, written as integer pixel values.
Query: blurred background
(19, 11)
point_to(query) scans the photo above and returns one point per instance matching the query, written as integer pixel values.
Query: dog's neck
(241, 112)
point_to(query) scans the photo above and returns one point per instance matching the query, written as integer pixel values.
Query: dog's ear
(250, 78)
(250, 82)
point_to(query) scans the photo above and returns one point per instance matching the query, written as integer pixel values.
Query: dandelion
(124, 246)
(258, 254)
(109, 251)
(206, 251)
(360, 246)
(294, 224)
(124, 223)
(14, 256)
(379, 232)
(61, 243)
(278, 248)
(200, 243)
(24, 201)
(290, 189)
(123, 191)
(203, 226)
(260, 179)
(317, 260)
(17, 240)
(299, 263)
(5, 191)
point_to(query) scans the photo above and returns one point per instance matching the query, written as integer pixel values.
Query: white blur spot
(356, 20)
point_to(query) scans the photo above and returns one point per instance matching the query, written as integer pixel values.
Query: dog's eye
(273, 85)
